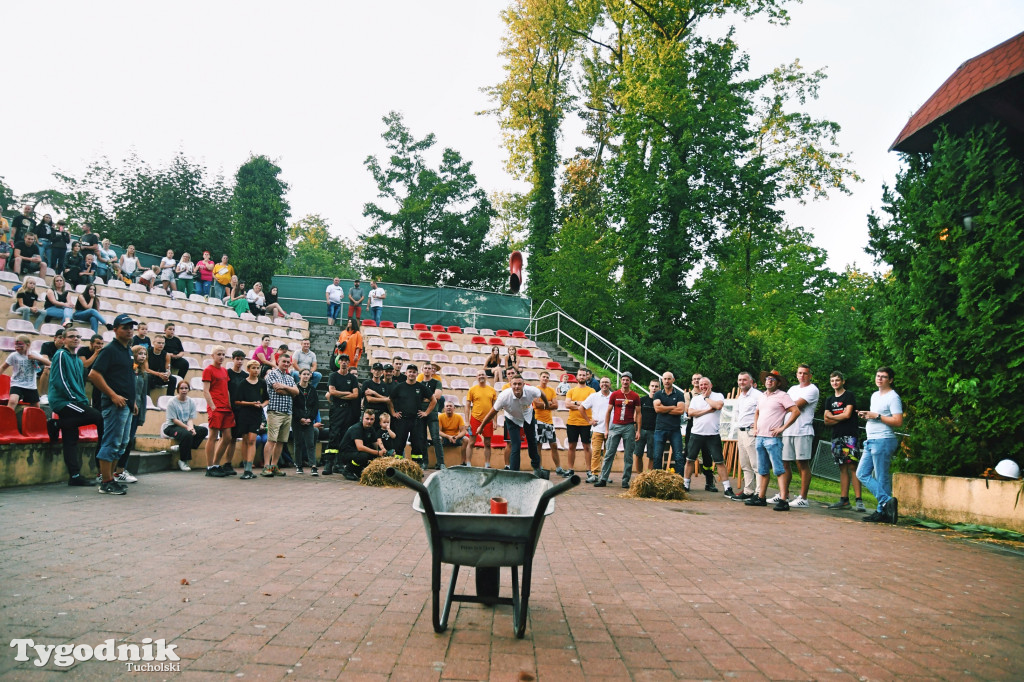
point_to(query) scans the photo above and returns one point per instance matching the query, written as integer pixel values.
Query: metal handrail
(533, 330)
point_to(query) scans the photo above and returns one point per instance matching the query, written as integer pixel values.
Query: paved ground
(326, 579)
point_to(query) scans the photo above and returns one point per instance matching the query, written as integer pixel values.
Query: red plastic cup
(499, 505)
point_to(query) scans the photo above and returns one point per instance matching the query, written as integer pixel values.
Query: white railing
(575, 337)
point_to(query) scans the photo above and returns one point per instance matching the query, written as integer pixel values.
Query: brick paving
(320, 579)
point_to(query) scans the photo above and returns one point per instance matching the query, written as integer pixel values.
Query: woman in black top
(248, 401)
(59, 246)
(87, 307)
(272, 306)
(44, 232)
(73, 264)
(512, 361)
(492, 364)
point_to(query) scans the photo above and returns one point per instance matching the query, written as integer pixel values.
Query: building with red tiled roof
(986, 88)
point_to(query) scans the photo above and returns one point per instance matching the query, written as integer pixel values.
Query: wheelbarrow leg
(435, 589)
(518, 605)
(448, 601)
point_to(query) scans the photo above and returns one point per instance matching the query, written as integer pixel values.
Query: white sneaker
(125, 477)
(775, 499)
(799, 503)
(183, 466)
(174, 448)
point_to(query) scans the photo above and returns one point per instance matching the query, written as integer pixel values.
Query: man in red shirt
(622, 422)
(218, 410)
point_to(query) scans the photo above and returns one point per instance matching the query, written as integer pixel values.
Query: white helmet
(1008, 469)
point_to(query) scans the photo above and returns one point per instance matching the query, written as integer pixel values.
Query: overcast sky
(306, 83)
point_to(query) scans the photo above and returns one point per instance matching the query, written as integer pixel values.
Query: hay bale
(374, 473)
(657, 485)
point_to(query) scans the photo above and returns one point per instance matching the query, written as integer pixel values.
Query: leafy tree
(950, 321)
(433, 229)
(315, 252)
(259, 220)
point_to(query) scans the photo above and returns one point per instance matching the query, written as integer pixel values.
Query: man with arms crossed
(621, 422)
(885, 415)
(746, 407)
(577, 426)
(770, 421)
(706, 412)
(670, 406)
(841, 414)
(797, 443)
(343, 396)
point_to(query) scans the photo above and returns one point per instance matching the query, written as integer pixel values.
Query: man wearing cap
(343, 395)
(356, 295)
(770, 421)
(621, 424)
(406, 400)
(517, 402)
(746, 407)
(113, 374)
(66, 392)
(375, 391)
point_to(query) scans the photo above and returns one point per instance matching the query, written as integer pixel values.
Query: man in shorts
(280, 388)
(24, 386)
(705, 413)
(479, 401)
(645, 424)
(770, 421)
(796, 446)
(577, 426)
(453, 429)
(841, 414)
(545, 426)
(220, 418)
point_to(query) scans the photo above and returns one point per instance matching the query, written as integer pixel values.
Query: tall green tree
(954, 303)
(313, 251)
(259, 220)
(433, 226)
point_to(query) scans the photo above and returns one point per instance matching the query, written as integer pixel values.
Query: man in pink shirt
(769, 422)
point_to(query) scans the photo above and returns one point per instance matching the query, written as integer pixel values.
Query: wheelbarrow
(455, 504)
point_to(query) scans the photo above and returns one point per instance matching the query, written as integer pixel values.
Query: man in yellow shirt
(480, 399)
(577, 427)
(545, 427)
(453, 431)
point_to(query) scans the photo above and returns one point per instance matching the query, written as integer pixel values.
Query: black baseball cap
(388, 367)
(377, 366)
(124, 319)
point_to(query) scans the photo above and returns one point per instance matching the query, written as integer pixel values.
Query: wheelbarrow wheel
(488, 582)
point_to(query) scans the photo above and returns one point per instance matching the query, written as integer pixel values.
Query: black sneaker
(710, 487)
(625, 484)
(686, 487)
(781, 505)
(327, 470)
(600, 484)
(755, 501)
(730, 494)
(742, 497)
(874, 517)
(246, 475)
(111, 488)
(77, 481)
(568, 473)
(892, 510)
(313, 471)
(298, 470)
(216, 472)
(228, 470)
(349, 474)
(508, 467)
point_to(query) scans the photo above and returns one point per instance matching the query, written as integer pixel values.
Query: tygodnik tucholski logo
(152, 656)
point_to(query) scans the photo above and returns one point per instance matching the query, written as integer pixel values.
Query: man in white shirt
(797, 441)
(517, 402)
(376, 296)
(705, 412)
(597, 403)
(334, 295)
(746, 406)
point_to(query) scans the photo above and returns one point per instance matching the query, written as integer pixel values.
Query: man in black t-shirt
(359, 445)
(27, 260)
(22, 224)
(112, 374)
(375, 391)
(430, 423)
(409, 419)
(841, 414)
(670, 405)
(88, 354)
(648, 418)
(158, 366)
(343, 395)
(90, 242)
(236, 375)
(175, 351)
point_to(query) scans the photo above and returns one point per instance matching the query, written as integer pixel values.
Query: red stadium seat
(498, 441)
(454, 329)
(420, 327)
(88, 433)
(434, 345)
(368, 323)
(444, 337)
(476, 339)
(495, 341)
(518, 335)
(5, 387)
(570, 378)
(9, 432)
(33, 425)
(555, 365)
(387, 324)
(426, 336)
(502, 333)
(525, 353)
(437, 327)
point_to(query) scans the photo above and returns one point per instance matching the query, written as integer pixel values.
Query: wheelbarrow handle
(428, 506)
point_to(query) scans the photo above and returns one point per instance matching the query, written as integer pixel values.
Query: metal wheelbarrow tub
(455, 504)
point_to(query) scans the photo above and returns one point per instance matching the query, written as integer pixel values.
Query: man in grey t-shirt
(355, 301)
(305, 359)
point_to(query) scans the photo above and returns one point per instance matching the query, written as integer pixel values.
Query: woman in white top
(184, 272)
(167, 264)
(105, 257)
(129, 263)
(257, 301)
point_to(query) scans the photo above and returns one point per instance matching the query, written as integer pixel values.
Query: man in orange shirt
(577, 426)
(480, 398)
(453, 430)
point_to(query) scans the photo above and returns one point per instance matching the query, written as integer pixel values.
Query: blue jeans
(203, 287)
(63, 314)
(117, 426)
(334, 311)
(675, 437)
(94, 318)
(44, 250)
(877, 457)
(769, 453)
(375, 313)
(219, 290)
